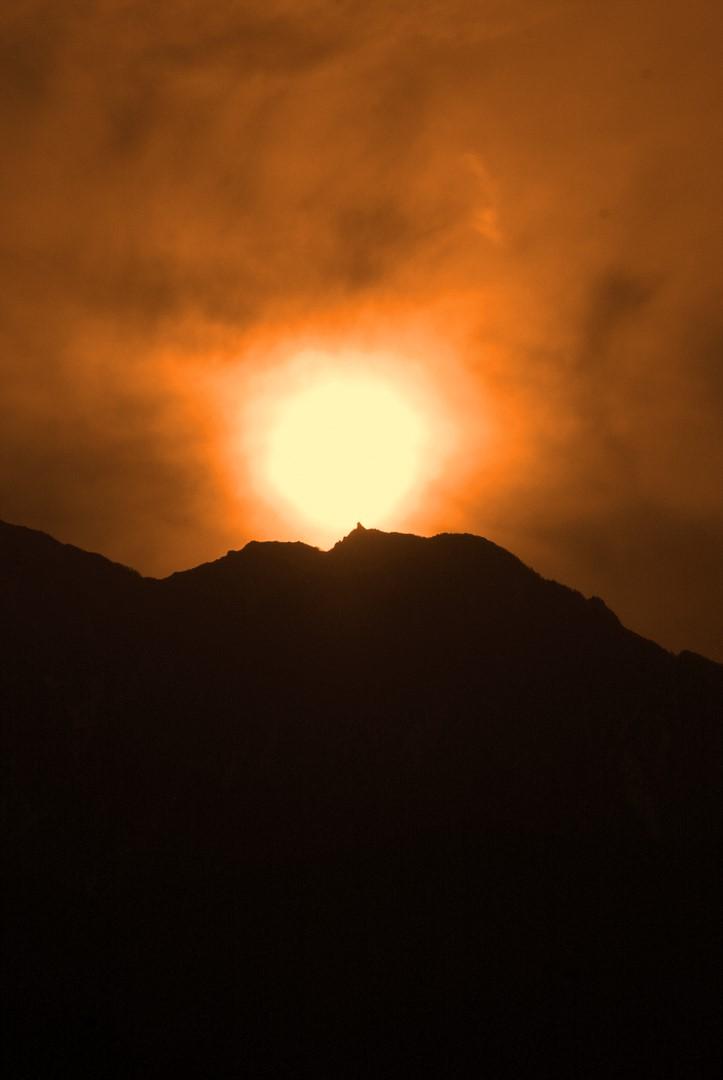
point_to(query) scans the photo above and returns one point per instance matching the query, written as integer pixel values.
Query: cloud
(537, 183)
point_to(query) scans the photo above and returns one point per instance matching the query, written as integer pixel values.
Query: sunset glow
(505, 213)
(345, 448)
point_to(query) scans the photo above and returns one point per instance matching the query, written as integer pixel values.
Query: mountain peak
(361, 534)
(357, 532)
(407, 762)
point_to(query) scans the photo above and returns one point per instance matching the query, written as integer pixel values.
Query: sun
(346, 447)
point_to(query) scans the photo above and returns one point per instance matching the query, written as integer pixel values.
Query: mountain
(403, 806)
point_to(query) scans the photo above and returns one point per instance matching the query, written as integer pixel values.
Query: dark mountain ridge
(402, 801)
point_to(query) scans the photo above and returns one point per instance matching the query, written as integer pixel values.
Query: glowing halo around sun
(345, 447)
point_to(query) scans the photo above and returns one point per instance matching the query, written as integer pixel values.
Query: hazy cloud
(182, 180)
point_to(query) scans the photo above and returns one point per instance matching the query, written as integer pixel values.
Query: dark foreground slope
(384, 810)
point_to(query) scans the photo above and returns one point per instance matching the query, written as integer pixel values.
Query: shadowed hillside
(382, 809)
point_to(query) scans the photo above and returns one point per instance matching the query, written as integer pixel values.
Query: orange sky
(514, 204)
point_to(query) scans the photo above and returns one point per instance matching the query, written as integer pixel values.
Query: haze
(512, 208)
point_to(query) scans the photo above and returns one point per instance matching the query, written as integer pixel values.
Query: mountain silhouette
(403, 806)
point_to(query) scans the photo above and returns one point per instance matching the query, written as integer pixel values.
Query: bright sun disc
(346, 448)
